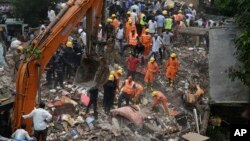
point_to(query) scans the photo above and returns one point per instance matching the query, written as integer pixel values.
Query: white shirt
(166, 38)
(83, 37)
(156, 44)
(21, 134)
(120, 33)
(136, 7)
(51, 15)
(39, 116)
(99, 35)
(134, 17)
(152, 26)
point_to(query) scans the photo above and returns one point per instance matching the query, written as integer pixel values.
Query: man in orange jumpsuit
(133, 41)
(151, 69)
(159, 97)
(128, 91)
(172, 68)
(115, 21)
(146, 40)
(138, 93)
(129, 27)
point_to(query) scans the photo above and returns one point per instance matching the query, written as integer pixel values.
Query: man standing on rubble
(159, 97)
(172, 69)
(109, 94)
(151, 69)
(40, 118)
(133, 62)
(128, 91)
(93, 94)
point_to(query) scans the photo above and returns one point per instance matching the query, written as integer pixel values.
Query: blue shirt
(160, 19)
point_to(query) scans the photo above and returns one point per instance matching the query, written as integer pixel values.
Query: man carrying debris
(172, 68)
(159, 97)
(109, 94)
(128, 91)
(138, 93)
(93, 92)
(151, 69)
(40, 118)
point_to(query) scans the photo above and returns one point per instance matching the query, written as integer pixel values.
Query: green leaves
(30, 51)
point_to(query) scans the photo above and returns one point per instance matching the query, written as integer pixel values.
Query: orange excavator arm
(57, 32)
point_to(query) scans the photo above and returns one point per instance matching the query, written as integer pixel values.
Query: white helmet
(80, 30)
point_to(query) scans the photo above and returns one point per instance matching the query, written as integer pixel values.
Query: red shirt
(132, 63)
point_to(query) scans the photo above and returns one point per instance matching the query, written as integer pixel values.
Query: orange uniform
(172, 68)
(138, 92)
(146, 40)
(151, 70)
(129, 28)
(132, 39)
(115, 23)
(160, 98)
(129, 88)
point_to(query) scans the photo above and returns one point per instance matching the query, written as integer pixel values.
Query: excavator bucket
(92, 69)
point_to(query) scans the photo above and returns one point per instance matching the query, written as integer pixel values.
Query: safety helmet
(100, 25)
(173, 55)
(119, 71)
(128, 12)
(112, 73)
(20, 48)
(152, 59)
(80, 30)
(111, 77)
(171, 5)
(109, 20)
(113, 15)
(69, 44)
(154, 93)
(190, 5)
(130, 21)
(164, 12)
(180, 11)
(147, 30)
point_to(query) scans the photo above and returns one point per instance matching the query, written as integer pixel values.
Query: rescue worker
(68, 57)
(115, 21)
(133, 41)
(59, 74)
(159, 97)
(133, 62)
(40, 117)
(127, 92)
(168, 22)
(129, 27)
(109, 94)
(109, 29)
(142, 23)
(151, 70)
(146, 40)
(172, 68)
(117, 76)
(93, 95)
(138, 93)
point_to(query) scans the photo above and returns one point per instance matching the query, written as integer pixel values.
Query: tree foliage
(241, 10)
(31, 11)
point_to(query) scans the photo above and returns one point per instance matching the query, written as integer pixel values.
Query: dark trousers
(40, 135)
(94, 102)
(121, 97)
(59, 78)
(108, 102)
